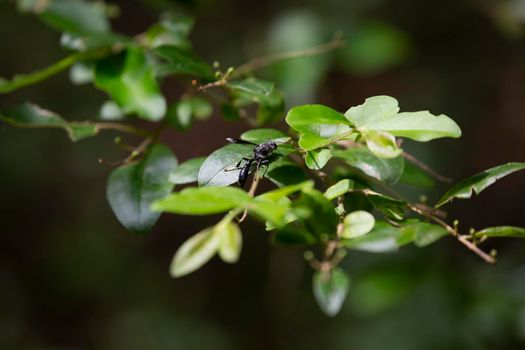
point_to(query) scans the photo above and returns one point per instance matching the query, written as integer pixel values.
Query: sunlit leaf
(195, 252)
(357, 223)
(382, 144)
(339, 189)
(317, 159)
(330, 290)
(382, 239)
(501, 231)
(132, 188)
(203, 200)
(130, 81)
(230, 243)
(220, 168)
(477, 183)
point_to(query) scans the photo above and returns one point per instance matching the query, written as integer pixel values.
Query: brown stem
(426, 168)
(251, 192)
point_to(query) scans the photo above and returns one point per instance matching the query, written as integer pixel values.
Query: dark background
(72, 278)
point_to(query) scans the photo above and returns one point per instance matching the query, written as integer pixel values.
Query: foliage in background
(333, 172)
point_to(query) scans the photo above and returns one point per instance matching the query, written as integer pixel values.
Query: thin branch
(251, 192)
(261, 62)
(426, 168)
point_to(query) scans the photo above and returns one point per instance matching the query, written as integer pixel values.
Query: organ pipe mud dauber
(261, 152)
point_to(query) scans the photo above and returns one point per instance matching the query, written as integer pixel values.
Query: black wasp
(261, 152)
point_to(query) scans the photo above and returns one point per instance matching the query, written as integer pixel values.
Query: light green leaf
(339, 189)
(478, 182)
(382, 169)
(274, 212)
(203, 200)
(277, 194)
(230, 244)
(29, 115)
(358, 223)
(380, 113)
(317, 159)
(195, 252)
(130, 81)
(182, 113)
(262, 135)
(252, 86)
(181, 61)
(132, 188)
(424, 233)
(330, 290)
(376, 108)
(318, 124)
(382, 144)
(382, 239)
(187, 171)
(501, 231)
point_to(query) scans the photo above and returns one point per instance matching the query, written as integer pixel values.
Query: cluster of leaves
(332, 171)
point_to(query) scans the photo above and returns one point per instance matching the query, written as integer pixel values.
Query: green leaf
(181, 61)
(358, 223)
(132, 188)
(330, 290)
(29, 115)
(382, 144)
(187, 172)
(284, 172)
(317, 213)
(413, 175)
(382, 239)
(171, 30)
(382, 169)
(425, 233)
(380, 113)
(392, 208)
(252, 86)
(274, 212)
(262, 135)
(318, 124)
(339, 189)
(74, 16)
(317, 159)
(478, 182)
(501, 231)
(374, 109)
(277, 194)
(92, 41)
(271, 107)
(219, 169)
(230, 241)
(293, 235)
(195, 252)
(182, 113)
(130, 81)
(203, 200)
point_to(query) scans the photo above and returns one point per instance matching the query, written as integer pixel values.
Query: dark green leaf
(382, 239)
(130, 81)
(30, 115)
(501, 231)
(284, 172)
(317, 213)
(172, 30)
(74, 16)
(252, 86)
(230, 112)
(187, 171)
(478, 182)
(293, 235)
(133, 188)
(318, 124)
(386, 170)
(391, 207)
(181, 61)
(203, 200)
(330, 290)
(413, 175)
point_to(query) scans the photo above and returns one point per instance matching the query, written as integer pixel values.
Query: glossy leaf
(386, 170)
(195, 252)
(230, 241)
(477, 183)
(318, 124)
(382, 239)
(339, 189)
(181, 61)
(501, 231)
(203, 200)
(317, 159)
(381, 113)
(357, 223)
(132, 188)
(330, 290)
(262, 135)
(219, 169)
(130, 81)
(392, 208)
(29, 115)
(187, 172)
